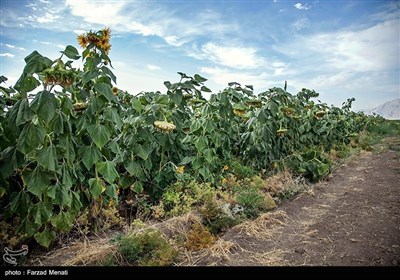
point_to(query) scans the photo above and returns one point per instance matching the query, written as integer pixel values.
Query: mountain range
(389, 110)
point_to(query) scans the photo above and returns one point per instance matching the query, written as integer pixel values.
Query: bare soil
(352, 219)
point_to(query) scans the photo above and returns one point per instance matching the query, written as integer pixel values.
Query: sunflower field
(71, 142)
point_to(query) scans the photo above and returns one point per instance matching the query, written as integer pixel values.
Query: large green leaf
(36, 181)
(47, 157)
(63, 196)
(31, 136)
(107, 170)
(63, 221)
(71, 52)
(112, 115)
(99, 134)
(45, 237)
(90, 155)
(105, 90)
(42, 212)
(27, 84)
(96, 187)
(45, 105)
(109, 73)
(141, 152)
(36, 63)
(201, 143)
(111, 191)
(24, 112)
(9, 160)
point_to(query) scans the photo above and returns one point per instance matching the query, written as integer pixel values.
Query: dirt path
(351, 219)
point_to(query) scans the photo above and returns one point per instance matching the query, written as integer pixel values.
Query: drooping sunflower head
(164, 126)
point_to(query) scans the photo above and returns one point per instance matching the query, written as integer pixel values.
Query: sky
(341, 49)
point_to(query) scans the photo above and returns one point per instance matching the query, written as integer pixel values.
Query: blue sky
(341, 49)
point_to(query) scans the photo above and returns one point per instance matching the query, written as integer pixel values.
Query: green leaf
(186, 160)
(136, 104)
(71, 52)
(90, 155)
(89, 75)
(208, 155)
(138, 149)
(111, 191)
(112, 115)
(199, 78)
(69, 153)
(45, 105)
(107, 170)
(137, 187)
(37, 181)
(76, 204)
(36, 63)
(205, 89)
(176, 97)
(45, 238)
(30, 137)
(66, 178)
(63, 221)
(47, 157)
(201, 143)
(99, 134)
(57, 123)
(109, 73)
(96, 187)
(105, 90)
(9, 160)
(27, 84)
(134, 169)
(167, 84)
(42, 212)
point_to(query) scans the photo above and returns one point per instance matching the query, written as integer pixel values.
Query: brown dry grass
(93, 252)
(262, 226)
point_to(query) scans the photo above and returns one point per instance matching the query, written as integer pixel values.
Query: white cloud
(48, 17)
(14, 47)
(104, 13)
(235, 57)
(61, 46)
(79, 31)
(370, 49)
(301, 24)
(152, 67)
(300, 6)
(223, 76)
(6, 55)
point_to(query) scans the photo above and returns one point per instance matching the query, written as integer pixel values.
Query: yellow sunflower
(82, 40)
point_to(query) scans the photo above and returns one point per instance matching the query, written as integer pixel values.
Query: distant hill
(389, 110)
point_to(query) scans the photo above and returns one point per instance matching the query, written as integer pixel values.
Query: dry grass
(221, 250)
(178, 226)
(93, 252)
(264, 225)
(275, 257)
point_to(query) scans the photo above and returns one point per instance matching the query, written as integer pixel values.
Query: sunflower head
(226, 167)
(82, 40)
(115, 90)
(106, 32)
(164, 126)
(180, 169)
(107, 48)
